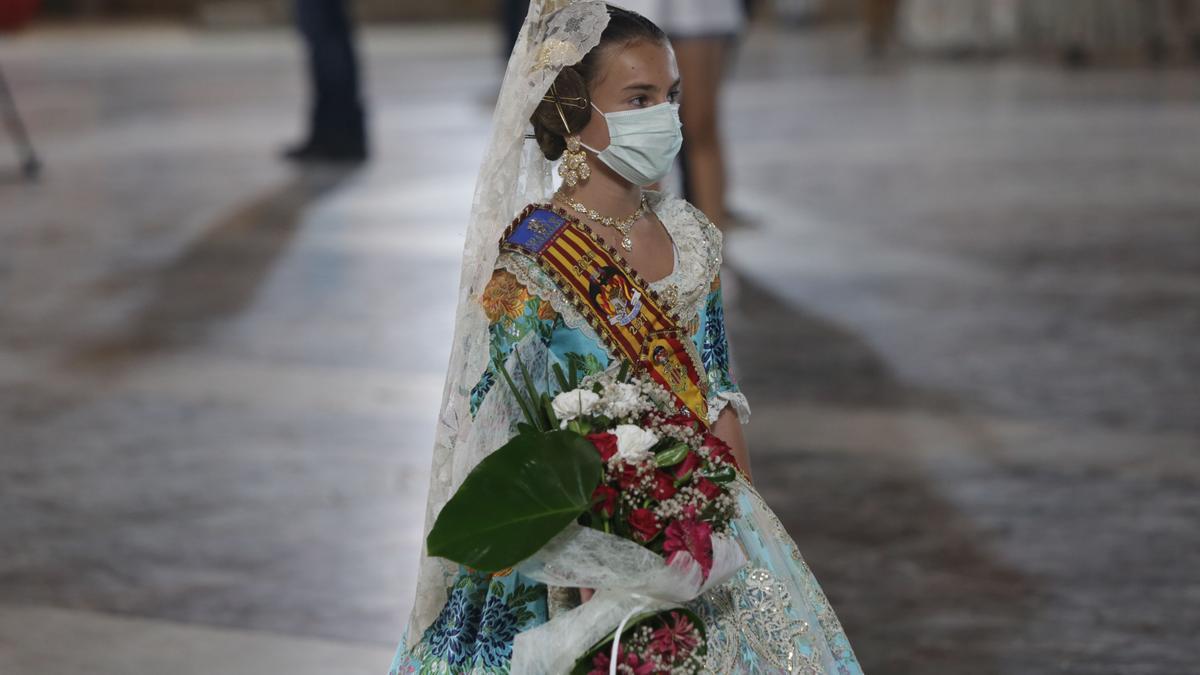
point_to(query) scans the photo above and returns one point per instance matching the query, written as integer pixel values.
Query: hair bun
(573, 106)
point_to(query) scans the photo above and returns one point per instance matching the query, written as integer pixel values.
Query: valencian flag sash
(618, 304)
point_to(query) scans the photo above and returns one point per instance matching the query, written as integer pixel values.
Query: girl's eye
(673, 97)
(638, 101)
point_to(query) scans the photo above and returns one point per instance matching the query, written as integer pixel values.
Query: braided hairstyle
(571, 86)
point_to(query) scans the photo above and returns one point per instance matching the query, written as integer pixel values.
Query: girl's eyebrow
(646, 86)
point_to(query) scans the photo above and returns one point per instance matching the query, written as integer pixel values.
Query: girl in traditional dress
(595, 87)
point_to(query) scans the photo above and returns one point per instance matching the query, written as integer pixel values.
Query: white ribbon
(612, 663)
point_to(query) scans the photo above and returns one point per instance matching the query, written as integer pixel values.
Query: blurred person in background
(702, 33)
(960, 28)
(337, 122)
(1177, 23)
(512, 17)
(879, 18)
(1080, 30)
(14, 15)
(1077, 30)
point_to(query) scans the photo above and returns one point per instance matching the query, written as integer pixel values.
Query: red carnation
(692, 537)
(628, 662)
(675, 640)
(601, 661)
(708, 488)
(664, 486)
(719, 450)
(646, 527)
(689, 464)
(605, 443)
(628, 476)
(604, 500)
(636, 665)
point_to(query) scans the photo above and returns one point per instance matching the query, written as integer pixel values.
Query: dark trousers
(513, 16)
(337, 117)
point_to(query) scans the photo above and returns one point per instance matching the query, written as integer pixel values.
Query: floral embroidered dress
(772, 617)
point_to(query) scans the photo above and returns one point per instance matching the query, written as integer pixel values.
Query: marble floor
(965, 309)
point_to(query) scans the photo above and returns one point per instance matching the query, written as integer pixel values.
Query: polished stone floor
(966, 310)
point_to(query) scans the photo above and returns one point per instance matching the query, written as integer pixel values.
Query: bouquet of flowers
(663, 472)
(609, 453)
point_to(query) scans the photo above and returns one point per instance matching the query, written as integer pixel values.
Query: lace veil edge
(556, 34)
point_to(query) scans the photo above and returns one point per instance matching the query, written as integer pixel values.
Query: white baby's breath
(623, 399)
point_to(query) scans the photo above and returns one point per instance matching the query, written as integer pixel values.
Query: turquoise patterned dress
(770, 618)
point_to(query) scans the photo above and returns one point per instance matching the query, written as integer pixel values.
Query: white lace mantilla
(556, 34)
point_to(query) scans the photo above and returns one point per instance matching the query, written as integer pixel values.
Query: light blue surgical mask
(642, 142)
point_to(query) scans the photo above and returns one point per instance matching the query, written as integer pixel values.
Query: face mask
(642, 142)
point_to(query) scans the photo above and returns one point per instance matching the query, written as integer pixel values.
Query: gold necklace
(622, 225)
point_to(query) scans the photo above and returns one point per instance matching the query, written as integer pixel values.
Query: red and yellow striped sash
(619, 305)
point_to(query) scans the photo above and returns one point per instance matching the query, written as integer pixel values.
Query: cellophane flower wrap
(608, 487)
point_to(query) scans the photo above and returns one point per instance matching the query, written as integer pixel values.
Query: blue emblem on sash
(536, 231)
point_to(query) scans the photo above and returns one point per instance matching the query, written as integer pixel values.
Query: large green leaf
(516, 500)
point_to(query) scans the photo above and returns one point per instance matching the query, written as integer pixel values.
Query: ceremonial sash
(618, 304)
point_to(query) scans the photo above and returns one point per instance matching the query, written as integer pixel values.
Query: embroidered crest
(674, 371)
(535, 230)
(610, 292)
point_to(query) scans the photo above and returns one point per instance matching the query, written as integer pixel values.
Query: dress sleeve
(722, 388)
(517, 319)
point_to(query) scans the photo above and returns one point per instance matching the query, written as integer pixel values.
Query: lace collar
(697, 248)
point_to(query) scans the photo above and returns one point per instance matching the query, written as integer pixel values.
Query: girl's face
(639, 75)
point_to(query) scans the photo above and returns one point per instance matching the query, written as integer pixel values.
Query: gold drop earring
(574, 167)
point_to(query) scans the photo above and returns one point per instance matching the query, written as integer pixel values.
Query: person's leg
(339, 98)
(514, 12)
(307, 16)
(701, 62)
(1156, 26)
(1187, 15)
(1075, 26)
(880, 19)
(337, 121)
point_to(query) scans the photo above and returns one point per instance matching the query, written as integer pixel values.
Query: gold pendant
(627, 244)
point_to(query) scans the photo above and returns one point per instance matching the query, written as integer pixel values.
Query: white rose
(571, 404)
(634, 442)
(623, 398)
